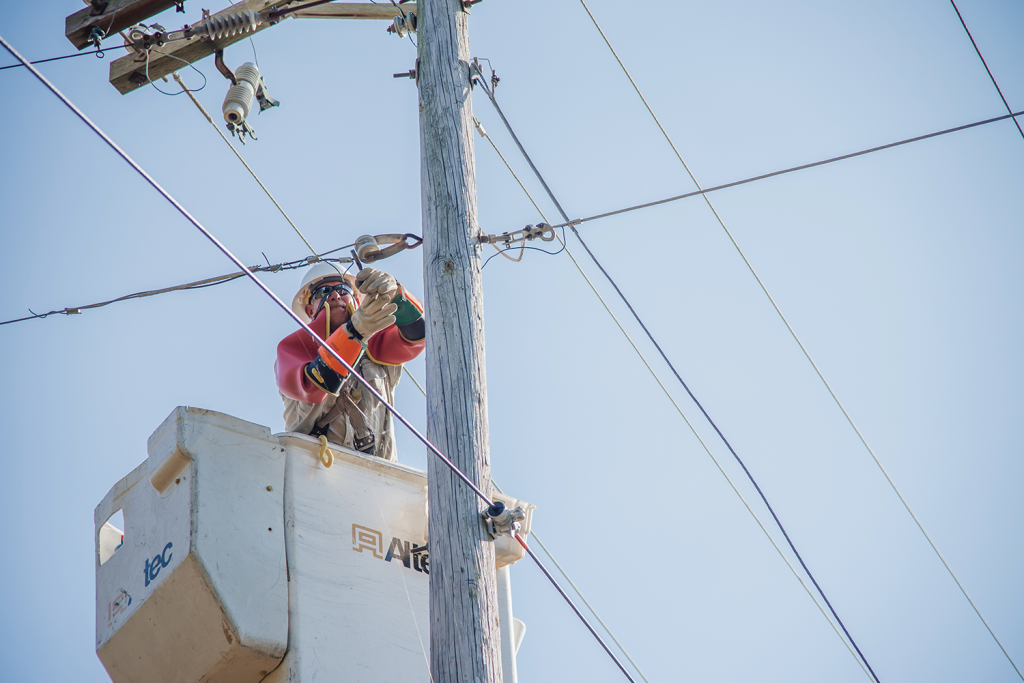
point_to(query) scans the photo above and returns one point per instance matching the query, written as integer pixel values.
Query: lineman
(375, 325)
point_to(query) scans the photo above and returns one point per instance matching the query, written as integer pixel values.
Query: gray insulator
(229, 24)
(238, 102)
(248, 73)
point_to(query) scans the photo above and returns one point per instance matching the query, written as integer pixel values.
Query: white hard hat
(321, 271)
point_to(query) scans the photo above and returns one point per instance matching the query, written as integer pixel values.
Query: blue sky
(899, 271)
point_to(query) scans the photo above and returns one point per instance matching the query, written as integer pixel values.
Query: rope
(678, 377)
(326, 455)
(1007, 105)
(702, 443)
(316, 339)
(253, 173)
(807, 354)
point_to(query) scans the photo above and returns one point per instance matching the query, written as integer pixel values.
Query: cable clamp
(527, 234)
(501, 521)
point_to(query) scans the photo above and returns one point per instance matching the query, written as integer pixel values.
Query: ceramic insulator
(248, 73)
(238, 102)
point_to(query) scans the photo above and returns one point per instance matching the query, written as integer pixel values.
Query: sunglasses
(324, 291)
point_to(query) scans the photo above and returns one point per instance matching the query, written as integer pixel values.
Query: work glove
(373, 315)
(371, 281)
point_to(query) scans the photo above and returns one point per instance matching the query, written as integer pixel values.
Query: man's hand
(375, 313)
(371, 281)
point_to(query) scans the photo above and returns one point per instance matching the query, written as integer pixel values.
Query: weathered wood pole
(465, 640)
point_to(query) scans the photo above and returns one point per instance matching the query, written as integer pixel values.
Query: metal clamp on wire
(502, 521)
(368, 247)
(529, 233)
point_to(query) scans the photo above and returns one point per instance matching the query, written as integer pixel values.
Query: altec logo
(411, 555)
(158, 562)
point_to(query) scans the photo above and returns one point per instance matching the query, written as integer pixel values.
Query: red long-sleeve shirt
(294, 352)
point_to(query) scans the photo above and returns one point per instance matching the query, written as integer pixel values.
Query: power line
(679, 410)
(1007, 104)
(309, 331)
(55, 59)
(533, 533)
(237, 154)
(678, 377)
(199, 284)
(802, 167)
(805, 351)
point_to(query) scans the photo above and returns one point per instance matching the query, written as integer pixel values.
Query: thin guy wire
(998, 90)
(422, 391)
(251, 172)
(802, 167)
(533, 533)
(699, 439)
(715, 460)
(810, 360)
(316, 339)
(679, 377)
(574, 607)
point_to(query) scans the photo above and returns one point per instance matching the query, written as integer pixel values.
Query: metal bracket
(501, 521)
(242, 130)
(96, 37)
(224, 69)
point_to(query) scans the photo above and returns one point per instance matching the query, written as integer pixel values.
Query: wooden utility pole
(465, 639)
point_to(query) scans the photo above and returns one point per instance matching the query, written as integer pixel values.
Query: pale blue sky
(899, 270)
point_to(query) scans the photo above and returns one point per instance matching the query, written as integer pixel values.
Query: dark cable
(998, 90)
(664, 357)
(188, 64)
(573, 606)
(788, 170)
(288, 311)
(543, 251)
(200, 284)
(54, 59)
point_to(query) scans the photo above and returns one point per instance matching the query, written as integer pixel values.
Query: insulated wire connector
(501, 521)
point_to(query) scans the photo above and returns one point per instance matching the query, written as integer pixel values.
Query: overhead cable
(533, 533)
(1005, 103)
(778, 522)
(316, 339)
(804, 349)
(708, 190)
(199, 284)
(703, 444)
(251, 172)
(55, 59)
